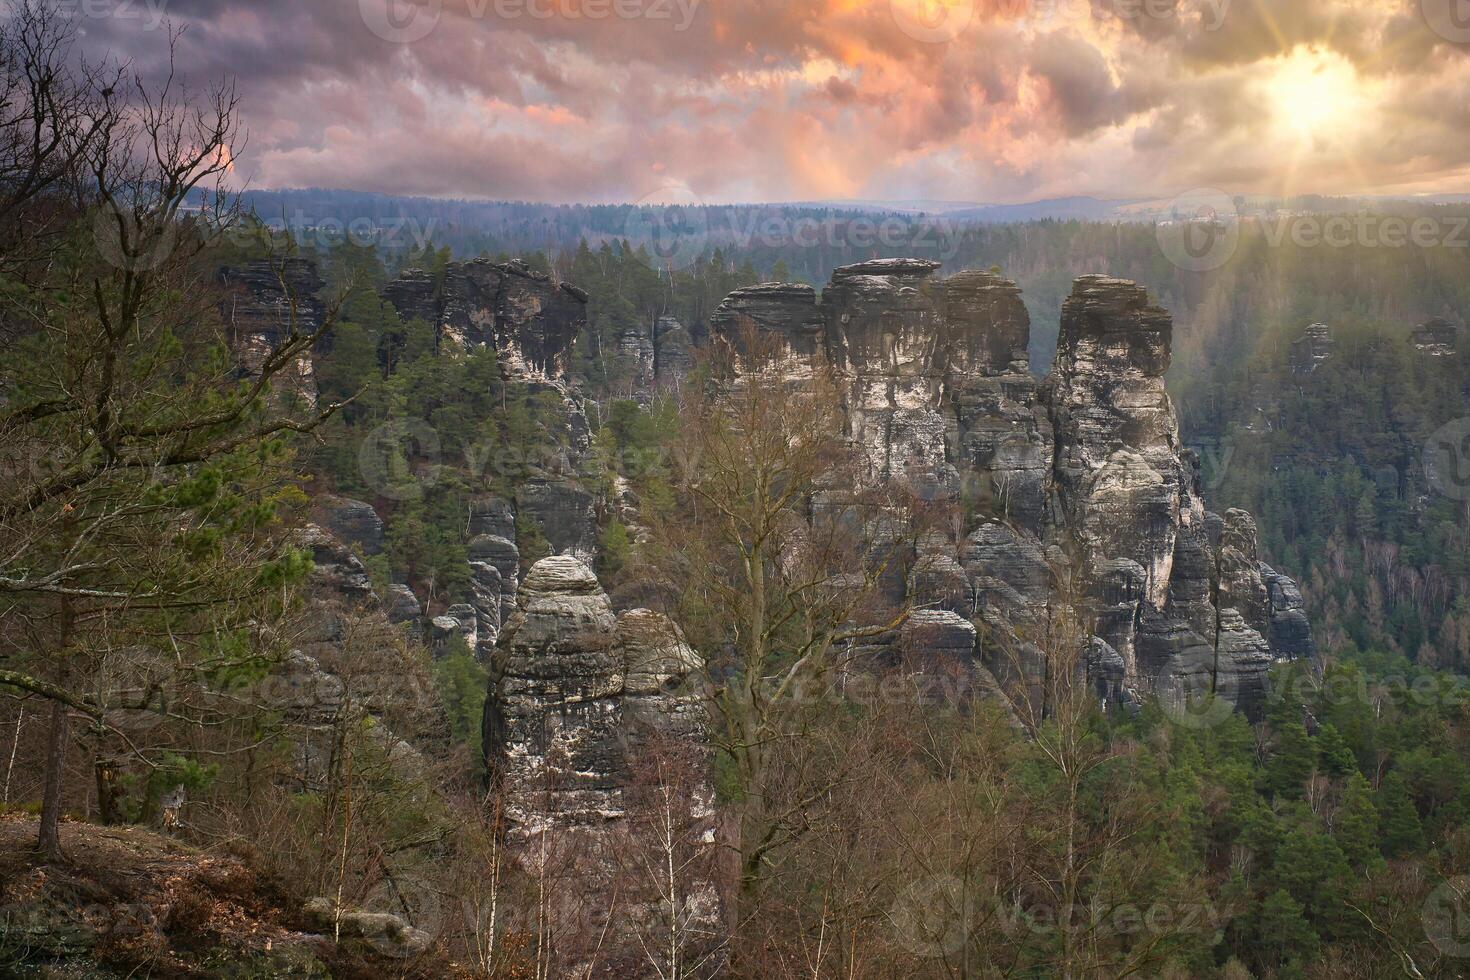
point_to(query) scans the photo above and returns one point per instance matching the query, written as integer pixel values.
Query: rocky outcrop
(573, 686)
(673, 353)
(659, 357)
(1313, 349)
(351, 521)
(1436, 338)
(527, 318)
(337, 573)
(1120, 477)
(1177, 592)
(563, 511)
(587, 712)
(531, 322)
(1077, 488)
(785, 311)
(403, 608)
(267, 302)
(1290, 630)
(352, 662)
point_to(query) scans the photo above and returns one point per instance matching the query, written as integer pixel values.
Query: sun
(1316, 95)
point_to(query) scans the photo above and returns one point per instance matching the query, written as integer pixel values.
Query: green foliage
(1283, 934)
(531, 541)
(1330, 462)
(1293, 759)
(615, 545)
(461, 682)
(1400, 829)
(1333, 754)
(1355, 824)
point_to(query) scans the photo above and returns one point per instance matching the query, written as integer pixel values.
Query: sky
(998, 101)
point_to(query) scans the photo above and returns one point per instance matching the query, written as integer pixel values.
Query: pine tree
(1333, 753)
(1401, 831)
(1355, 825)
(1292, 760)
(1282, 933)
(1312, 868)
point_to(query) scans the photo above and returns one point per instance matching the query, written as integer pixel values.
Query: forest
(228, 754)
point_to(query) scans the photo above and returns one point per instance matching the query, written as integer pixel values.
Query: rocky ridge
(531, 322)
(1076, 483)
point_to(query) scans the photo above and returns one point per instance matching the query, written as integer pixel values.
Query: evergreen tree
(1333, 753)
(1283, 936)
(1293, 758)
(1355, 824)
(1400, 829)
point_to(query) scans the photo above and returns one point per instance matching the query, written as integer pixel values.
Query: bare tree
(54, 114)
(778, 548)
(666, 862)
(141, 468)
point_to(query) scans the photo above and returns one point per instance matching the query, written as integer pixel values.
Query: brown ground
(130, 902)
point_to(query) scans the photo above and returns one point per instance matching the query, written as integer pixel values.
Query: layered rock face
(1313, 349)
(266, 301)
(661, 356)
(587, 712)
(575, 691)
(1437, 338)
(1076, 489)
(529, 320)
(1119, 472)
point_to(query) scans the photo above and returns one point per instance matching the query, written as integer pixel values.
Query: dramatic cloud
(754, 100)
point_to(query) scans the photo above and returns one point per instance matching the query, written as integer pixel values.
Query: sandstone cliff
(529, 320)
(585, 710)
(265, 302)
(1075, 488)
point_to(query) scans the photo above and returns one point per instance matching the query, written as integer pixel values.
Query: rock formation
(352, 521)
(353, 661)
(265, 303)
(583, 707)
(529, 320)
(1312, 349)
(1437, 338)
(659, 356)
(573, 686)
(1079, 487)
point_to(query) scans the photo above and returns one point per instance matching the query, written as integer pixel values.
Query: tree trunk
(49, 840)
(109, 792)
